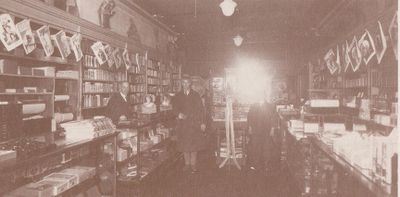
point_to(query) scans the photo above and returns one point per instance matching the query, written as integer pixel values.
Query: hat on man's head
(186, 77)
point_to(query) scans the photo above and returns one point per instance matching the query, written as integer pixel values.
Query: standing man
(261, 120)
(188, 108)
(118, 105)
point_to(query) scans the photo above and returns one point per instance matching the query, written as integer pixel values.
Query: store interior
(201, 98)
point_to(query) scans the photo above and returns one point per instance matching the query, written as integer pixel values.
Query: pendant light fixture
(238, 40)
(228, 7)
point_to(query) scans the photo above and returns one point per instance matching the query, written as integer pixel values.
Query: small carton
(70, 178)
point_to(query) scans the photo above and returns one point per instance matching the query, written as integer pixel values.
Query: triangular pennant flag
(366, 46)
(138, 61)
(117, 58)
(45, 40)
(9, 34)
(380, 43)
(345, 54)
(28, 39)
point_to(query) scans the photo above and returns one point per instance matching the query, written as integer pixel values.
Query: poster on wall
(45, 39)
(354, 55)
(9, 34)
(75, 43)
(330, 61)
(380, 43)
(117, 58)
(62, 43)
(393, 34)
(126, 58)
(366, 46)
(109, 52)
(98, 50)
(28, 39)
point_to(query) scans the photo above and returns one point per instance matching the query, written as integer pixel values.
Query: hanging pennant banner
(380, 43)
(338, 62)
(393, 34)
(366, 46)
(354, 55)
(62, 43)
(117, 58)
(345, 56)
(45, 39)
(109, 52)
(28, 39)
(98, 50)
(138, 61)
(75, 43)
(330, 60)
(9, 34)
(126, 58)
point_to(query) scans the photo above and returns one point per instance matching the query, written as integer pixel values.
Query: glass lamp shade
(238, 40)
(228, 7)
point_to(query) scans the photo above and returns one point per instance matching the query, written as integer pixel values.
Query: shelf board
(99, 92)
(26, 76)
(98, 80)
(323, 89)
(25, 93)
(47, 60)
(89, 108)
(153, 77)
(66, 78)
(152, 84)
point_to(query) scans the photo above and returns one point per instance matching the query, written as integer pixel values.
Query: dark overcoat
(116, 107)
(188, 131)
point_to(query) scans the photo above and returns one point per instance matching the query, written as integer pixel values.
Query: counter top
(57, 147)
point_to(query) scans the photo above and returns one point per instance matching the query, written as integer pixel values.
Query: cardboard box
(44, 71)
(58, 187)
(8, 67)
(39, 189)
(71, 179)
(23, 70)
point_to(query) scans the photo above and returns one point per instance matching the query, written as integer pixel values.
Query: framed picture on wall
(330, 61)
(9, 34)
(28, 38)
(380, 43)
(45, 40)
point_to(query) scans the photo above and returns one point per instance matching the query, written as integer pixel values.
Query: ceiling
(272, 29)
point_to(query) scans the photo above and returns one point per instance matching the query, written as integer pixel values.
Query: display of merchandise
(93, 128)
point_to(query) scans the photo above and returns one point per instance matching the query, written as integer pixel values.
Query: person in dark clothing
(188, 108)
(118, 105)
(261, 120)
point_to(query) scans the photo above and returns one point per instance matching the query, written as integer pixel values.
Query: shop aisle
(225, 182)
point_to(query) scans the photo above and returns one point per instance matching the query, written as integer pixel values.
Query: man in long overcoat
(189, 109)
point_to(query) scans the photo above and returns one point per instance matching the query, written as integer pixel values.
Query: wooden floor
(225, 182)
